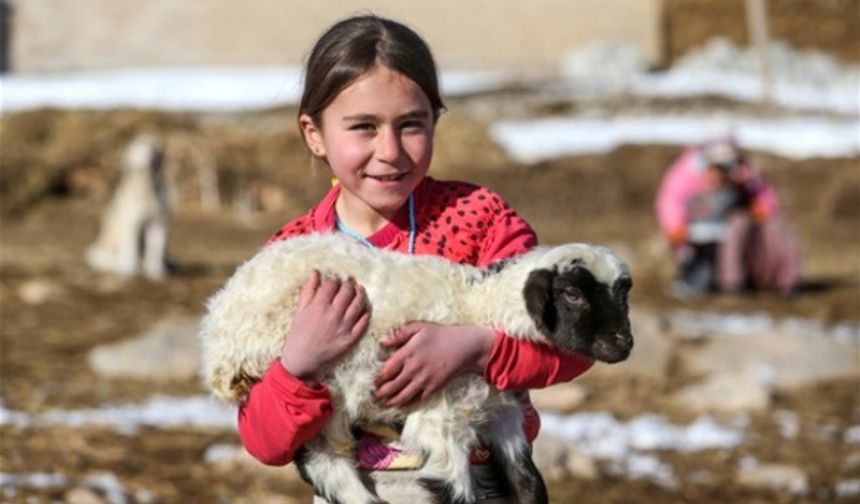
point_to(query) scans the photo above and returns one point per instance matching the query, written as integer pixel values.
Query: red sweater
(461, 222)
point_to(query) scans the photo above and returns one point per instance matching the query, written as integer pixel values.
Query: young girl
(369, 111)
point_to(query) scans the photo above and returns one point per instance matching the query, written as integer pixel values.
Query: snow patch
(601, 435)
(159, 412)
(800, 79)
(211, 89)
(794, 138)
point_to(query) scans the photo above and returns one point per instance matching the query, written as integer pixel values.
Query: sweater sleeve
(281, 414)
(519, 364)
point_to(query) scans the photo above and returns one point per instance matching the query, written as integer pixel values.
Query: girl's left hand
(426, 356)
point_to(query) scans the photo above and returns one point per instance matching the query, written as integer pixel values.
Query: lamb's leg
(328, 465)
(447, 440)
(524, 479)
(512, 457)
(129, 247)
(155, 249)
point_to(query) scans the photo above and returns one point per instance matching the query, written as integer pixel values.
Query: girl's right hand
(330, 318)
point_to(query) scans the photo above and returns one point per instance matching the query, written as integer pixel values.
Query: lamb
(573, 296)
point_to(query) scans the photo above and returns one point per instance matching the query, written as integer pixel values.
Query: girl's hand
(427, 355)
(330, 318)
(678, 235)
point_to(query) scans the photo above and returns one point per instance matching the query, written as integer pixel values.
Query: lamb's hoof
(441, 492)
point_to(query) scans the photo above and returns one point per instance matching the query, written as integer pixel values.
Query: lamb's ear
(539, 303)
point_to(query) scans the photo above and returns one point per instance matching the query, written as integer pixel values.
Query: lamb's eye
(572, 295)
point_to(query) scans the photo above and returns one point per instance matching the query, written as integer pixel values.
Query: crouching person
(723, 224)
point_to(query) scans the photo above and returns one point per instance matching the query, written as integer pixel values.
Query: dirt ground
(57, 173)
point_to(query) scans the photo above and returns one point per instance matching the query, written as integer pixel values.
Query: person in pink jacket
(723, 224)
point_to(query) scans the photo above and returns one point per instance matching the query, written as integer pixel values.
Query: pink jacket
(685, 178)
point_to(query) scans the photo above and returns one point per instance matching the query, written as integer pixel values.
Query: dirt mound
(51, 151)
(76, 153)
(258, 157)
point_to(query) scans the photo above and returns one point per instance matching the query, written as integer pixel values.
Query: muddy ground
(58, 171)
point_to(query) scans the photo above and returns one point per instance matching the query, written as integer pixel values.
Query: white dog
(133, 235)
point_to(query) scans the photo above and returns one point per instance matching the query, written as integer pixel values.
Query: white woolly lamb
(572, 296)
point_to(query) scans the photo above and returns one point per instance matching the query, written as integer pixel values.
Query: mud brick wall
(60, 35)
(832, 26)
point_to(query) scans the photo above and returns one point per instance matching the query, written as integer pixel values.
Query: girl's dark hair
(355, 45)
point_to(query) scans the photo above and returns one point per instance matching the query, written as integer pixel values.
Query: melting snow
(800, 80)
(159, 411)
(852, 435)
(696, 324)
(627, 447)
(795, 138)
(109, 485)
(601, 435)
(33, 480)
(848, 489)
(200, 89)
(104, 482)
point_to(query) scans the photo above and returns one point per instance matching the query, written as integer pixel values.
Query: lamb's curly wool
(243, 331)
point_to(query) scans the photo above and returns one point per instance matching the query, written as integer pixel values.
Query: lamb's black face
(579, 313)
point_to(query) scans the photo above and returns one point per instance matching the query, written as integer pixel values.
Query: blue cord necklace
(349, 232)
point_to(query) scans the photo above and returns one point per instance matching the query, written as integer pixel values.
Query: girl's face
(377, 137)
(716, 178)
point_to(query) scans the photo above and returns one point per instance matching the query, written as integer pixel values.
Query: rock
(786, 359)
(652, 348)
(774, 477)
(109, 284)
(725, 393)
(83, 495)
(580, 466)
(37, 291)
(851, 462)
(227, 458)
(557, 461)
(561, 398)
(168, 351)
